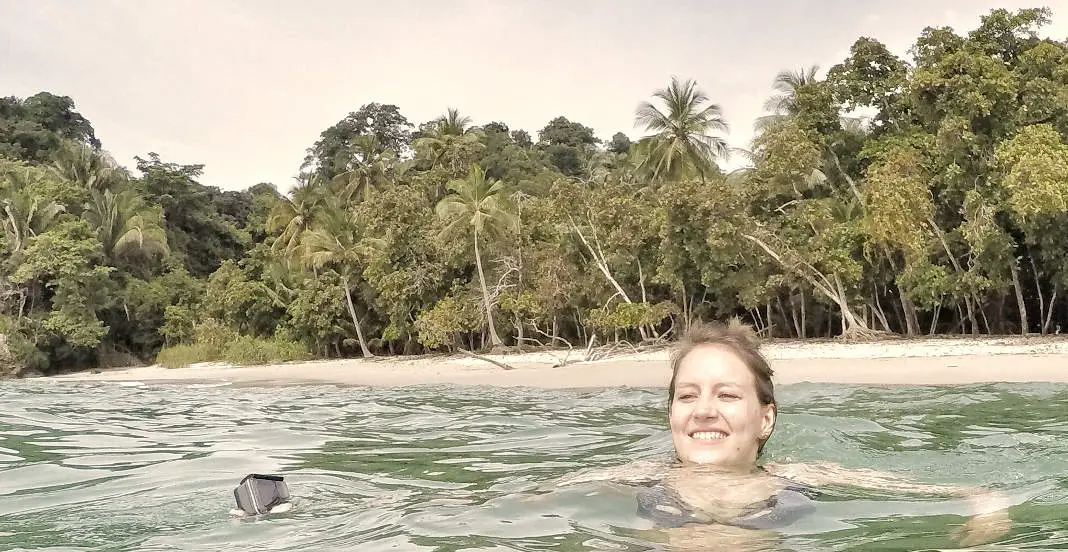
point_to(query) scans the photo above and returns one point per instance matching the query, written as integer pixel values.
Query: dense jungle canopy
(914, 196)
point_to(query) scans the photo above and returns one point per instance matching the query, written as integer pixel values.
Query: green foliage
(35, 128)
(871, 77)
(18, 354)
(334, 153)
(244, 304)
(446, 320)
(198, 233)
(628, 316)
(180, 356)
(1035, 167)
(243, 350)
(316, 313)
(250, 350)
(179, 322)
(65, 259)
(898, 202)
(926, 194)
(523, 304)
(568, 145)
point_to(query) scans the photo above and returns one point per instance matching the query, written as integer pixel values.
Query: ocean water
(108, 466)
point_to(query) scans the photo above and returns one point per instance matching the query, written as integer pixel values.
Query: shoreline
(918, 361)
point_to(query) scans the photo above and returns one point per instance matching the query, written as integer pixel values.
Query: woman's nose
(706, 408)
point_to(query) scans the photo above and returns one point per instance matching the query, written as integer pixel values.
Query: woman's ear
(767, 423)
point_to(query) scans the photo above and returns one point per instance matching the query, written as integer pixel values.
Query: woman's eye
(687, 397)
(729, 396)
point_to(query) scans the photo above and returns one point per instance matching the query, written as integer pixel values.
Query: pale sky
(244, 87)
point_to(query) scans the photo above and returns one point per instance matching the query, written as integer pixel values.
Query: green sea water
(107, 466)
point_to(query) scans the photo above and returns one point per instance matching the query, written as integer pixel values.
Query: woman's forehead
(713, 365)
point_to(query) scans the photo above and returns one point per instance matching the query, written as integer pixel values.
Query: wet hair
(738, 340)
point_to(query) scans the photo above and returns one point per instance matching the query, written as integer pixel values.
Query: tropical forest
(885, 196)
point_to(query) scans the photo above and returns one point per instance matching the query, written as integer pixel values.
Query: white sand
(921, 361)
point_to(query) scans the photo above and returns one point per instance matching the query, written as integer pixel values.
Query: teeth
(709, 435)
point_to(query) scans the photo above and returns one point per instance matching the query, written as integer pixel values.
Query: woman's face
(716, 417)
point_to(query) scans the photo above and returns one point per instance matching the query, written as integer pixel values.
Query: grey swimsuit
(662, 505)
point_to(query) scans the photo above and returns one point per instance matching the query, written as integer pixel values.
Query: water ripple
(94, 466)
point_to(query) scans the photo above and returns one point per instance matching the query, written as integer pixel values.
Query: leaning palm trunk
(355, 319)
(495, 340)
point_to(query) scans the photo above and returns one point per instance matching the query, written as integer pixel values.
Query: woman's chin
(705, 458)
(716, 459)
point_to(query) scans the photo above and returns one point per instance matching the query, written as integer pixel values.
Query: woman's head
(721, 400)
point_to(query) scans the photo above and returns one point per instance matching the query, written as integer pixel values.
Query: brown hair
(740, 341)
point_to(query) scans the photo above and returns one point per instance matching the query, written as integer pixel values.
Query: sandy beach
(935, 361)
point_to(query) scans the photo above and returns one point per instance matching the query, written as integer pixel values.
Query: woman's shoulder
(792, 484)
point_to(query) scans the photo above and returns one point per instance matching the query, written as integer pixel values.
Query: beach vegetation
(920, 193)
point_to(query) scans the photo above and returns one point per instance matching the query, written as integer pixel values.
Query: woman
(721, 412)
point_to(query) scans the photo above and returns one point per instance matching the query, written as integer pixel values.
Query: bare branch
(486, 359)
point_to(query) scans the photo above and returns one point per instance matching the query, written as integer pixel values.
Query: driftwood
(489, 360)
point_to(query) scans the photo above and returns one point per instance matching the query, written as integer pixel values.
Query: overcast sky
(244, 87)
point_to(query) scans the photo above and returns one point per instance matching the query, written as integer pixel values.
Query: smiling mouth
(708, 435)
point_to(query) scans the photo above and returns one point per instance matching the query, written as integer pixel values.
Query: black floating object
(258, 494)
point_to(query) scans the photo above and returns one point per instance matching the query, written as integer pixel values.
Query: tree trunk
(971, 315)
(879, 313)
(687, 306)
(804, 317)
(355, 319)
(641, 283)
(982, 312)
(791, 317)
(853, 325)
(934, 319)
(601, 264)
(755, 315)
(771, 325)
(912, 323)
(1041, 299)
(495, 340)
(1049, 313)
(1025, 327)
(960, 270)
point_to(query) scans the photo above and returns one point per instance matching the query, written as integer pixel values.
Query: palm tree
(483, 204)
(681, 139)
(125, 224)
(295, 215)
(335, 241)
(92, 169)
(23, 214)
(450, 142)
(371, 169)
(786, 84)
(452, 123)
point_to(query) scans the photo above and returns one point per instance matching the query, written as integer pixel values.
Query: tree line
(908, 196)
